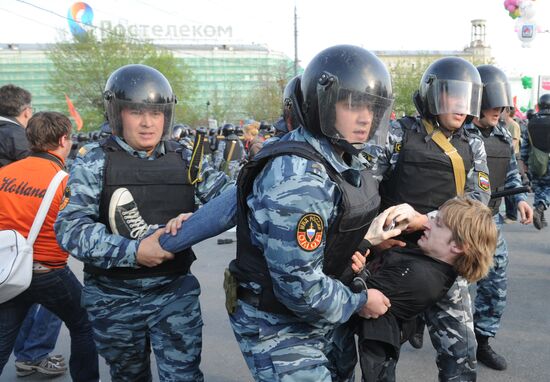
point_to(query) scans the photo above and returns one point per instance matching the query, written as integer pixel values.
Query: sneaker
(124, 216)
(509, 221)
(51, 366)
(538, 216)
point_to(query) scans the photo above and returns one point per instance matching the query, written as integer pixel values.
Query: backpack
(16, 252)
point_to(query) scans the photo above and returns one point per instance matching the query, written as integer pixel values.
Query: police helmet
(212, 132)
(496, 89)
(138, 87)
(228, 129)
(292, 99)
(544, 103)
(177, 132)
(449, 85)
(239, 131)
(350, 76)
(202, 130)
(530, 113)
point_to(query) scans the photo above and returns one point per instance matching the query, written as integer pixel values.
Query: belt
(248, 296)
(38, 271)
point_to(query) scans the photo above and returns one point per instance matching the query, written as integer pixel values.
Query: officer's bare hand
(175, 223)
(150, 253)
(390, 243)
(526, 212)
(377, 305)
(358, 261)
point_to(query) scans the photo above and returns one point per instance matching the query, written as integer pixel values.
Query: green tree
(265, 101)
(406, 77)
(81, 69)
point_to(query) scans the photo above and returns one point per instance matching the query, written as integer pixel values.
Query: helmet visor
(115, 107)
(352, 115)
(496, 94)
(454, 97)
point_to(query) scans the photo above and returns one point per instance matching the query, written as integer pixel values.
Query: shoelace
(136, 223)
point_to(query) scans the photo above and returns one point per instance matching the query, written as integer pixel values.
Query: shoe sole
(112, 208)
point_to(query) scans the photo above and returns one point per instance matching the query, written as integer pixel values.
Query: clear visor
(497, 94)
(454, 97)
(115, 108)
(354, 116)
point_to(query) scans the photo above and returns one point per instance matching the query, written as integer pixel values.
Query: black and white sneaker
(124, 216)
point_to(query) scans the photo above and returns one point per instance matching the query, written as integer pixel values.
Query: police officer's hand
(390, 243)
(175, 223)
(379, 230)
(406, 218)
(377, 304)
(150, 253)
(526, 212)
(358, 261)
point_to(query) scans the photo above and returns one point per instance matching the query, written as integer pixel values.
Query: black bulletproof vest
(498, 158)
(423, 176)
(357, 208)
(207, 149)
(160, 189)
(237, 152)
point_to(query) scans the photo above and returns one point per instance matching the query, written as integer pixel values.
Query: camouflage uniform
(233, 166)
(491, 290)
(450, 321)
(541, 185)
(279, 347)
(131, 315)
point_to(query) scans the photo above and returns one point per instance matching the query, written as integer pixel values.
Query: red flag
(74, 114)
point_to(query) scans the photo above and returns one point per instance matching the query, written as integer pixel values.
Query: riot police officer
(535, 149)
(230, 153)
(503, 174)
(427, 161)
(137, 295)
(311, 204)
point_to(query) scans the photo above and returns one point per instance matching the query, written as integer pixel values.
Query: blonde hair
(252, 129)
(473, 228)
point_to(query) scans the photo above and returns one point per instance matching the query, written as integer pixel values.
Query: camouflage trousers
(131, 316)
(491, 291)
(451, 328)
(541, 189)
(280, 348)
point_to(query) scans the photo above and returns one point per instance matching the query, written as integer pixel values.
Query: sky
(374, 25)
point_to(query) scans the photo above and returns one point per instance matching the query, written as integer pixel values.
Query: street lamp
(207, 110)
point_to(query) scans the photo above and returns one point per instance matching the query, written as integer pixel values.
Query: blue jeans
(37, 335)
(59, 291)
(213, 218)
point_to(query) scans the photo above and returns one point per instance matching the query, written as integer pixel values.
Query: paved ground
(524, 338)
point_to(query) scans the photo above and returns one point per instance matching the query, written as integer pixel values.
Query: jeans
(213, 218)
(37, 335)
(59, 291)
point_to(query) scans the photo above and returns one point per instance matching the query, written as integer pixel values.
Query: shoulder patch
(65, 199)
(483, 181)
(310, 231)
(397, 147)
(82, 151)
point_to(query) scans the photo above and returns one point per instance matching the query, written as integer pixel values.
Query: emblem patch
(397, 147)
(66, 197)
(309, 232)
(483, 181)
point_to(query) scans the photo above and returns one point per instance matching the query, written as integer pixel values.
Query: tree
(81, 69)
(265, 102)
(406, 76)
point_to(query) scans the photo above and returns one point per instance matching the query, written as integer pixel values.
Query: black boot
(417, 339)
(487, 356)
(538, 216)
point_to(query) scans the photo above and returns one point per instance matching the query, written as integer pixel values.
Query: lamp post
(207, 110)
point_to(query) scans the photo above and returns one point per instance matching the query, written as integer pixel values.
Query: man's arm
(477, 180)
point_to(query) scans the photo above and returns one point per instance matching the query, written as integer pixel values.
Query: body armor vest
(498, 159)
(423, 176)
(161, 191)
(237, 152)
(357, 208)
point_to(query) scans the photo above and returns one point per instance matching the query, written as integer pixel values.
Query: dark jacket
(13, 141)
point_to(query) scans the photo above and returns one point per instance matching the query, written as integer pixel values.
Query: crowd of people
(332, 224)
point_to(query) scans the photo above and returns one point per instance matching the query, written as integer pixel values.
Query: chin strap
(456, 160)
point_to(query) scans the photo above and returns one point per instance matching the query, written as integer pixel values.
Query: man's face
(353, 122)
(437, 236)
(456, 106)
(451, 122)
(490, 117)
(142, 129)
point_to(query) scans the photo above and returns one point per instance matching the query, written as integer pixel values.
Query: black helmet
(544, 103)
(228, 129)
(202, 130)
(239, 131)
(530, 113)
(178, 132)
(292, 99)
(445, 78)
(138, 86)
(496, 89)
(350, 76)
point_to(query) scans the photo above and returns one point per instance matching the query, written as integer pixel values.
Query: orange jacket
(22, 187)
